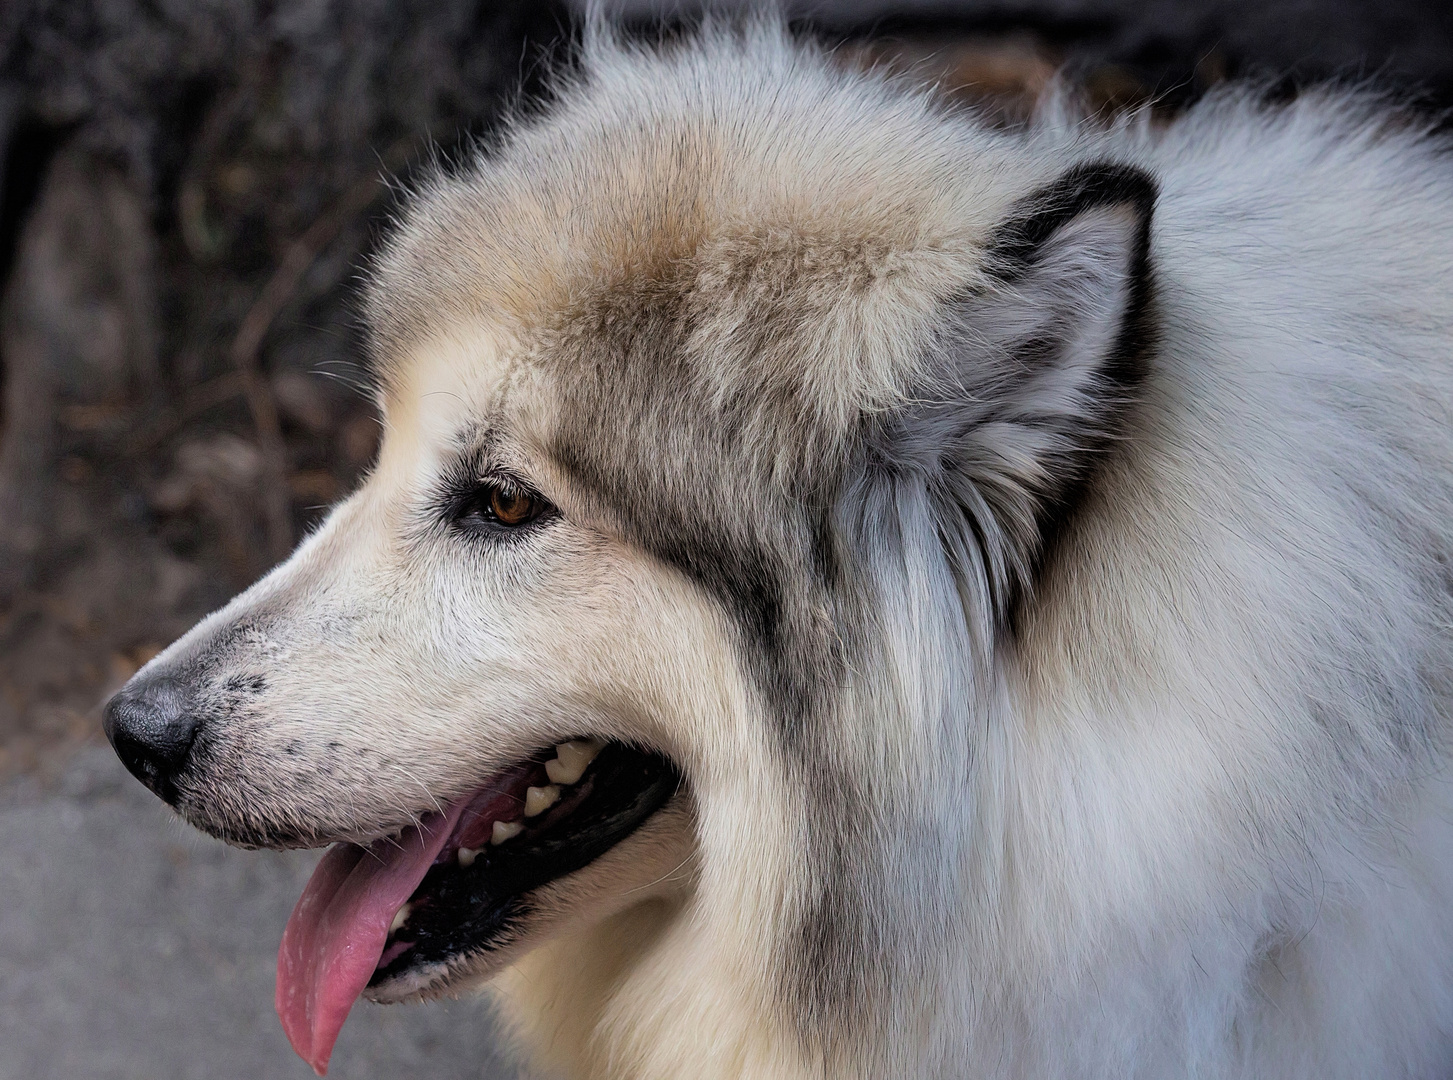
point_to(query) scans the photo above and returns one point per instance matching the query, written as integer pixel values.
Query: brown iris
(512, 506)
(495, 504)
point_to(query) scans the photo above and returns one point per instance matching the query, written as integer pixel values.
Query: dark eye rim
(469, 509)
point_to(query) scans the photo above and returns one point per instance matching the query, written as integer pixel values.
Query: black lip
(458, 911)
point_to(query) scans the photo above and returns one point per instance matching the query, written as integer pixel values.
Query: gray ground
(132, 946)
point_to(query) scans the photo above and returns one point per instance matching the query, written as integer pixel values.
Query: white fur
(1191, 819)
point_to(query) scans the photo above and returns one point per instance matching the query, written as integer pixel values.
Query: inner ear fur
(1032, 373)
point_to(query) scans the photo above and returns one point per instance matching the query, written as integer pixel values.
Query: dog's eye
(500, 503)
(512, 506)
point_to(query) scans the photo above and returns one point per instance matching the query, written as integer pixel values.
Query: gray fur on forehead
(807, 221)
(735, 489)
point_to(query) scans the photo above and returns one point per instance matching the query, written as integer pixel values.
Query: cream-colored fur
(1166, 797)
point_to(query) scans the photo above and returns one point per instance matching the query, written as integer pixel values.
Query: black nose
(151, 723)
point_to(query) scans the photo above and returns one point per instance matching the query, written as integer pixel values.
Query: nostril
(152, 724)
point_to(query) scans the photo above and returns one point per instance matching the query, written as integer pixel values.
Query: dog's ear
(1033, 370)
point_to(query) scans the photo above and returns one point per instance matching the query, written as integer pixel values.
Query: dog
(848, 590)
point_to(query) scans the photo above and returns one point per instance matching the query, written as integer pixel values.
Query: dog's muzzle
(152, 723)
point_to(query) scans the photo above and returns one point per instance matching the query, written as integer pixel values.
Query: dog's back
(1238, 670)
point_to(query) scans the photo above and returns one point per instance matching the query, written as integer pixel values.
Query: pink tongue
(338, 929)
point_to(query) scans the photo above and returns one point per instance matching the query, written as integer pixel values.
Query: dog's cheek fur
(335, 708)
(811, 562)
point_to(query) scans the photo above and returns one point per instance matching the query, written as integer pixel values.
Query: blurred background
(188, 190)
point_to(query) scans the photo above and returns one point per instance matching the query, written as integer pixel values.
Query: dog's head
(727, 411)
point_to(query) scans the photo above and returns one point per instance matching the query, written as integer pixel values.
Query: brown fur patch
(805, 224)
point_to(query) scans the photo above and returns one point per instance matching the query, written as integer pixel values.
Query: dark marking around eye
(492, 505)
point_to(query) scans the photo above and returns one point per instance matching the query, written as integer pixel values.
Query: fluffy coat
(1033, 546)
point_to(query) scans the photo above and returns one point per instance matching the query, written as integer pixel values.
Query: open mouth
(401, 915)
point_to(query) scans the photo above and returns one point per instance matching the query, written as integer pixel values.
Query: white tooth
(467, 856)
(505, 830)
(571, 759)
(540, 799)
(401, 916)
